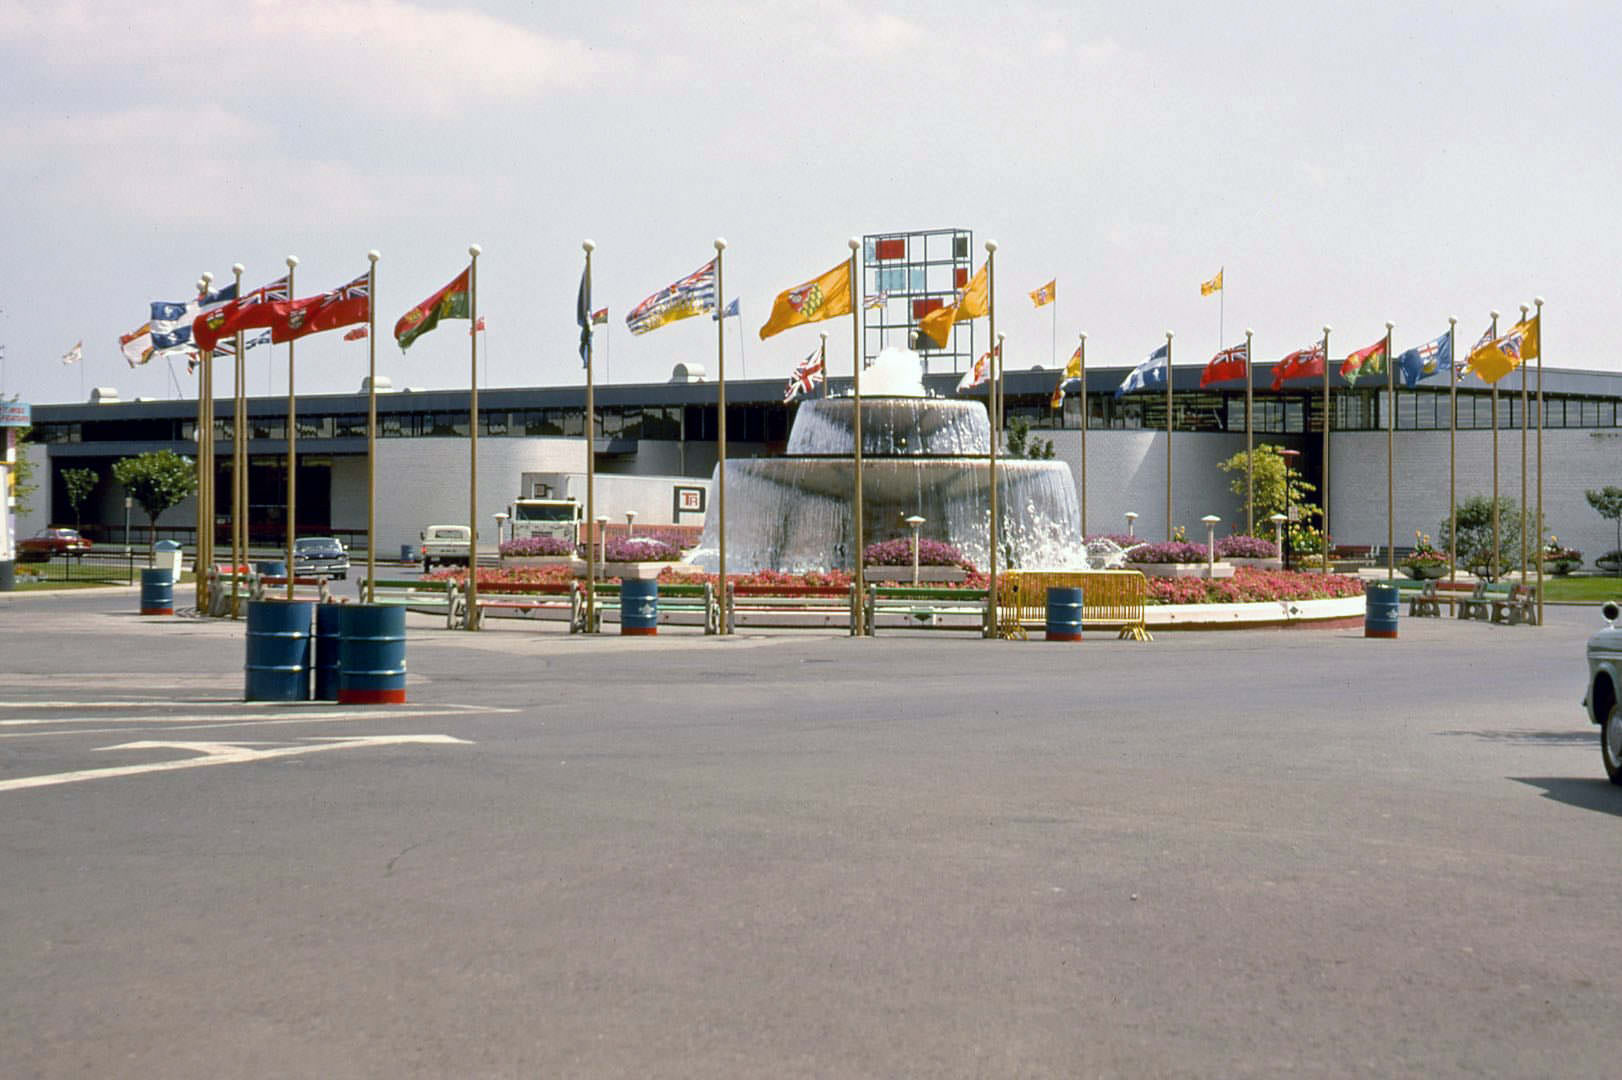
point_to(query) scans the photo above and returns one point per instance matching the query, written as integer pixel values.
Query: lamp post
(630, 523)
(1210, 545)
(602, 541)
(1131, 520)
(1289, 457)
(501, 520)
(1278, 521)
(914, 520)
(129, 501)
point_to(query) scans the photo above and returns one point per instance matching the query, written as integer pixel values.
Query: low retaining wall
(1336, 612)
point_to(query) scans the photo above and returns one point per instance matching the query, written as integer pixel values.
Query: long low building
(669, 429)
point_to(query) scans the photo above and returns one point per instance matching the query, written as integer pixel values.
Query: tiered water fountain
(920, 455)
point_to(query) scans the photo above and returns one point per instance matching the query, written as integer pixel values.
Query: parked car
(447, 545)
(1604, 685)
(320, 556)
(48, 542)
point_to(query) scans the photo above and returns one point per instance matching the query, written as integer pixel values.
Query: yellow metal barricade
(1110, 598)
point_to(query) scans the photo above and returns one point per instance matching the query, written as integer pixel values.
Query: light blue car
(1604, 684)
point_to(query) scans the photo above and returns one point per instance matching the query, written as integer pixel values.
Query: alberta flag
(1149, 375)
(1425, 361)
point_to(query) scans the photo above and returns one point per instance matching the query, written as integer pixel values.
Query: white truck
(651, 500)
(446, 545)
(558, 518)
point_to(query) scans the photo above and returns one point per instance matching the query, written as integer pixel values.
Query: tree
(1474, 548)
(1022, 445)
(80, 483)
(1278, 487)
(1607, 502)
(157, 481)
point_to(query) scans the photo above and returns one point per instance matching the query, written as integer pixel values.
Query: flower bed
(532, 546)
(899, 553)
(1246, 547)
(1251, 586)
(1172, 552)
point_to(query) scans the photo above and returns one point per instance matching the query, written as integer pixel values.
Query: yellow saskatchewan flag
(975, 302)
(1046, 294)
(1497, 358)
(1214, 285)
(824, 297)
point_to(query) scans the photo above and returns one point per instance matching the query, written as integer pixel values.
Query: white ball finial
(1000, 338)
(475, 250)
(1538, 300)
(1168, 335)
(1327, 328)
(1493, 313)
(1524, 309)
(720, 243)
(1249, 332)
(373, 255)
(208, 278)
(1389, 324)
(853, 243)
(292, 261)
(823, 335)
(1451, 321)
(588, 246)
(991, 245)
(1084, 335)
(237, 268)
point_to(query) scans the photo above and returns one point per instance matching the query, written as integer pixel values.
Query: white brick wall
(1126, 470)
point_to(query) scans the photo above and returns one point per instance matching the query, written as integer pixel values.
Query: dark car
(320, 556)
(48, 542)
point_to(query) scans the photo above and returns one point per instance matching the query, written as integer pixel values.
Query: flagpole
(1492, 564)
(371, 426)
(239, 467)
(991, 402)
(1168, 437)
(823, 362)
(1325, 537)
(472, 620)
(743, 361)
(721, 438)
(588, 247)
(1250, 444)
(1083, 436)
(1524, 309)
(1538, 300)
(292, 439)
(1390, 458)
(1452, 452)
(204, 555)
(858, 617)
(1053, 348)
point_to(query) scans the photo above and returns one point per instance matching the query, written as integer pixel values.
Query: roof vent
(687, 373)
(383, 382)
(103, 395)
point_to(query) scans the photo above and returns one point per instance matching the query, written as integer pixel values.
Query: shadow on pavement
(1530, 738)
(1589, 793)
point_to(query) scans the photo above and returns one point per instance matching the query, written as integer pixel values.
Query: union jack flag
(807, 374)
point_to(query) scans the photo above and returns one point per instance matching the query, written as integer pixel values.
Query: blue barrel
(408, 552)
(326, 652)
(371, 654)
(639, 606)
(157, 592)
(270, 568)
(1381, 602)
(278, 665)
(1064, 613)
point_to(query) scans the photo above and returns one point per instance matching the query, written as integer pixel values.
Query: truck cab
(447, 545)
(559, 518)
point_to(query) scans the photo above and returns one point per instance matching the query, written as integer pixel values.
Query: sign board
(687, 500)
(14, 414)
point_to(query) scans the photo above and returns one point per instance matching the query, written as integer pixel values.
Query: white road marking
(248, 720)
(220, 753)
(303, 714)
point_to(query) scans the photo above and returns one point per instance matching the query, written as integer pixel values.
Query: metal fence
(117, 567)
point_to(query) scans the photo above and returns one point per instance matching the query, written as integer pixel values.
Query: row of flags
(1490, 359)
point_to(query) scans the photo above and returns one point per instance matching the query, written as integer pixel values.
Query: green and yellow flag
(1368, 361)
(975, 302)
(451, 302)
(823, 297)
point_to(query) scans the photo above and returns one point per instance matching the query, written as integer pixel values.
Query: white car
(1604, 687)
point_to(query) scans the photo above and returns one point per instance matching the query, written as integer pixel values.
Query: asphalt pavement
(1247, 853)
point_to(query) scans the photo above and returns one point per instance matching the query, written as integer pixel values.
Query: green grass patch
(1582, 590)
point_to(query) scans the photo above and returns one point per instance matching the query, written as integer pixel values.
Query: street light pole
(915, 521)
(1210, 545)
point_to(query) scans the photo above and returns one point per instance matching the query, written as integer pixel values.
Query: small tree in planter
(1607, 502)
(1474, 542)
(1424, 562)
(1559, 559)
(158, 481)
(1278, 487)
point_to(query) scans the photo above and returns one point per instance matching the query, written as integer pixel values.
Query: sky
(1342, 164)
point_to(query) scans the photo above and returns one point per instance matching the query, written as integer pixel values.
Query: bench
(925, 608)
(1421, 598)
(275, 588)
(791, 606)
(1479, 604)
(524, 599)
(221, 581)
(415, 594)
(1520, 606)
